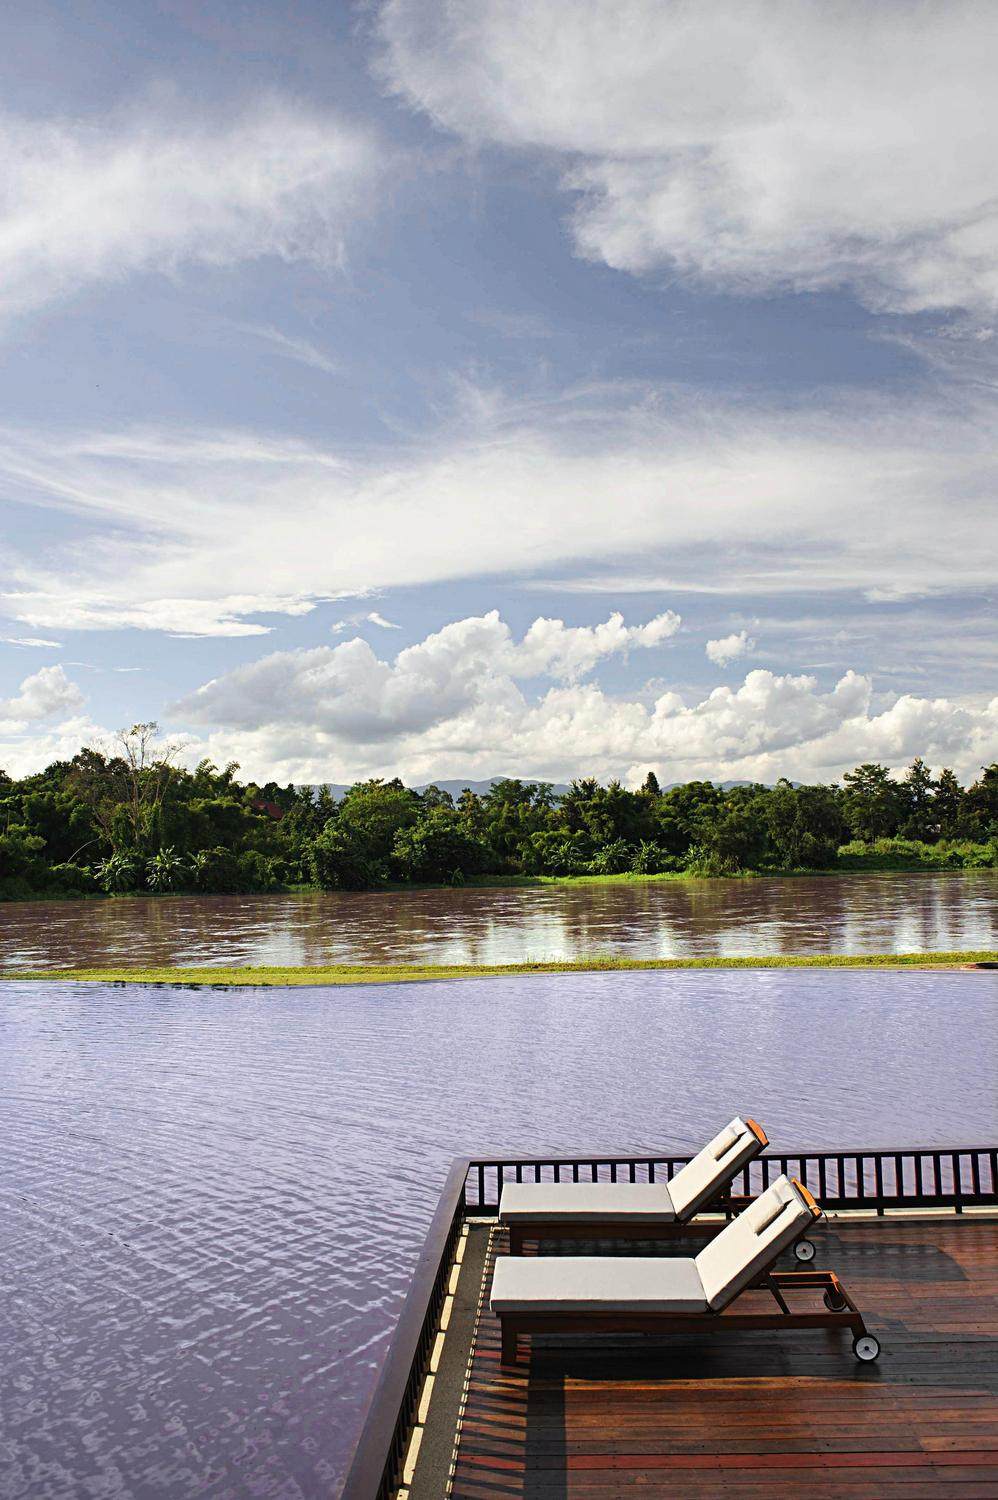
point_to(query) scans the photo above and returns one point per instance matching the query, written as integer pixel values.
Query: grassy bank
(337, 974)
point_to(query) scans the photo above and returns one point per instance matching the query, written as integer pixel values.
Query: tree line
(130, 819)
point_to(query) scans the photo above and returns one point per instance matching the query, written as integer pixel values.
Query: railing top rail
(644, 1158)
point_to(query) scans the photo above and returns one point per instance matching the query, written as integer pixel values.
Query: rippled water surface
(210, 1201)
(835, 913)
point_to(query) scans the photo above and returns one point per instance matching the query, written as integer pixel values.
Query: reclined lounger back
(693, 1187)
(750, 1243)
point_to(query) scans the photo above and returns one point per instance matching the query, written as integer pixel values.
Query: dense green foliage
(134, 821)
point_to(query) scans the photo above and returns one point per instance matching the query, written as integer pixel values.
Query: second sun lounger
(630, 1210)
(593, 1294)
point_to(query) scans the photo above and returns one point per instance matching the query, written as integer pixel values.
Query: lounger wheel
(834, 1301)
(866, 1347)
(804, 1250)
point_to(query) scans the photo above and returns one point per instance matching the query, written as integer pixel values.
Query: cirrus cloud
(191, 534)
(85, 202)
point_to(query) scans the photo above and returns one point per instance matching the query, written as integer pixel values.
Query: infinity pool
(211, 1200)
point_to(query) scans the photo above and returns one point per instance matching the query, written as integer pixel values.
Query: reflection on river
(211, 1200)
(830, 914)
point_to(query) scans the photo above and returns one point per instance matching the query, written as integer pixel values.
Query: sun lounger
(630, 1210)
(640, 1294)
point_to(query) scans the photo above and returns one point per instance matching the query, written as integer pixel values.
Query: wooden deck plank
(755, 1415)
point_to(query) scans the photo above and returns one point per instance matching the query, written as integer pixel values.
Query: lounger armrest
(809, 1199)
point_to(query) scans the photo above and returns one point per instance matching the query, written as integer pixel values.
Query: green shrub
(911, 854)
(612, 859)
(438, 850)
(72, 880)
(341, 862)
(118, 873)
(651, 859)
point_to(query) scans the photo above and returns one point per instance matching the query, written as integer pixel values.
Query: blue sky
(549, 387)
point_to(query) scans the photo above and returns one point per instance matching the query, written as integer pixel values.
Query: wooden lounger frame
(636, 1229)
(840, 1310)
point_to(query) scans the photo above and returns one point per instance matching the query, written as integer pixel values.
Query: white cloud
(23, 753)
(43, 695)
(190, 530)
(753, 145)
(729, 647)
(349, 691)
(291, 347)
(29, 640)
(455, 705)
(88, 610)
(372, 617)
(555, 650)
(85, 202)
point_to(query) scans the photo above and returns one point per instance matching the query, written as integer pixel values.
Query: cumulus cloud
(43, 695)
(729, 647)
(752, 145)
(85, 202)
(469, 700)
(552, 648)
(189, 530)
(22, 753)
(348, 690)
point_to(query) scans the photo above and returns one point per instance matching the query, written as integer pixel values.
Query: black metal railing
(869, 1180)
(842, 1181)
(379, 1457)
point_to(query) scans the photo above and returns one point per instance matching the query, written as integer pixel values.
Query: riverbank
(874, 865)
(342, 974)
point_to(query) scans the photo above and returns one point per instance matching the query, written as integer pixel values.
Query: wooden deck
(746, 1414)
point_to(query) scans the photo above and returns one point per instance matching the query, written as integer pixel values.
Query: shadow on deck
(750, 1414)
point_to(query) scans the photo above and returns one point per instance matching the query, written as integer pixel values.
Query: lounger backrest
(701, 1179)
(752, 1242)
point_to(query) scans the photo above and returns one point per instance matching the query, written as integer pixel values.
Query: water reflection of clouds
(667, 919)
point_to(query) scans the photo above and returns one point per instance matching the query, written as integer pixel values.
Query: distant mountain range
(481, 787)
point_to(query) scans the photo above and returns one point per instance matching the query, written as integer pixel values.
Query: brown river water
(886, 913)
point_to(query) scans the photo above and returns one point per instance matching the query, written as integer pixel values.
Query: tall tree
(918, 792)
(872, 802)
(948, 805)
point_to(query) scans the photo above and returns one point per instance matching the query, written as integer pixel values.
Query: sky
(530, 387)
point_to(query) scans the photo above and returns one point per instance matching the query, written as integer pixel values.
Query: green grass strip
(410, 973)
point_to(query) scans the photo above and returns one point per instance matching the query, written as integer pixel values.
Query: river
(211, 1200)
(888, 913)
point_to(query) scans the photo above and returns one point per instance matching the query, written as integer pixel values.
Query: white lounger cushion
(596, 1283)
(691, 1189)
(609, 1284)
(734, 1257)
(585, 1202)
(698, 1182)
